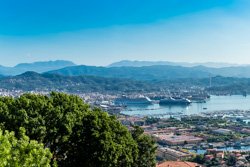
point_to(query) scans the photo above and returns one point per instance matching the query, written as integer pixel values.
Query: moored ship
(174, 101)
(138, 100)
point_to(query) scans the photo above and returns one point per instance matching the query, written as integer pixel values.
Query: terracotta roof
(177, 164)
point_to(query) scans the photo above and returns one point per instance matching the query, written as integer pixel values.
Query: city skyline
(100, 33)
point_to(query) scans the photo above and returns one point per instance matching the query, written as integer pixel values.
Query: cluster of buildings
(173, 140)
(10, 93)
(180, 140)
(173, 154)
(239, 158)
(231, 115)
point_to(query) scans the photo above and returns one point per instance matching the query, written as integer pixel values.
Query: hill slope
(30, 81)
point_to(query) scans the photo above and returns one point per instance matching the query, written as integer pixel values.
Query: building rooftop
(177, 164)
(222, 130)
(175, 152)
(178, 138)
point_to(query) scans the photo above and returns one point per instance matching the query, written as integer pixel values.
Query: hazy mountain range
(39, 67)
(156, 72)
(136, 73)
(129, 63)
(66, 76)
(136, 70)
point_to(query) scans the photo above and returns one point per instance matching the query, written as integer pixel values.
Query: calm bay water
(244, 148)
(215, 103)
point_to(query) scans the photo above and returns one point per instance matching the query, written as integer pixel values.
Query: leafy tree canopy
(47, 119)
(76, 134)
(103, 142)
(22, 152)
(146, 147)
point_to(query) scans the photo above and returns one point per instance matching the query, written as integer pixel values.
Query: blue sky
(96, 32)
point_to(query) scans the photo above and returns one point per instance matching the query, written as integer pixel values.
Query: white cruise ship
(137, 100)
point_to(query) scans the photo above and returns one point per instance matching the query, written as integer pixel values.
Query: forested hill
(160, 72)
(142, 73)
(30, 81)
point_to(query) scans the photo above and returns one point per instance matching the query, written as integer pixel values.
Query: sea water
(215, 103)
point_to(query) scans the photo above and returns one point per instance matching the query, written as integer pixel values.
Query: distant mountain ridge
(122, 70)
(159, 72)
(39, 67)
(156, 72)
(129, 63)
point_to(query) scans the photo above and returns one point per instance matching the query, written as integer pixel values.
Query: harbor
(214, 103)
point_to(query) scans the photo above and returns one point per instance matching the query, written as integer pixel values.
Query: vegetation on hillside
(31, 81)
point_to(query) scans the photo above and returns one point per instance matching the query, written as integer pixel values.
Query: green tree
(231, 161)
(213, 163)
(151, 120)
(22, 152)
(146, 147)
(248, 157)
(198, 159)
(101, 141)
(47, 119)
(76, 134)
